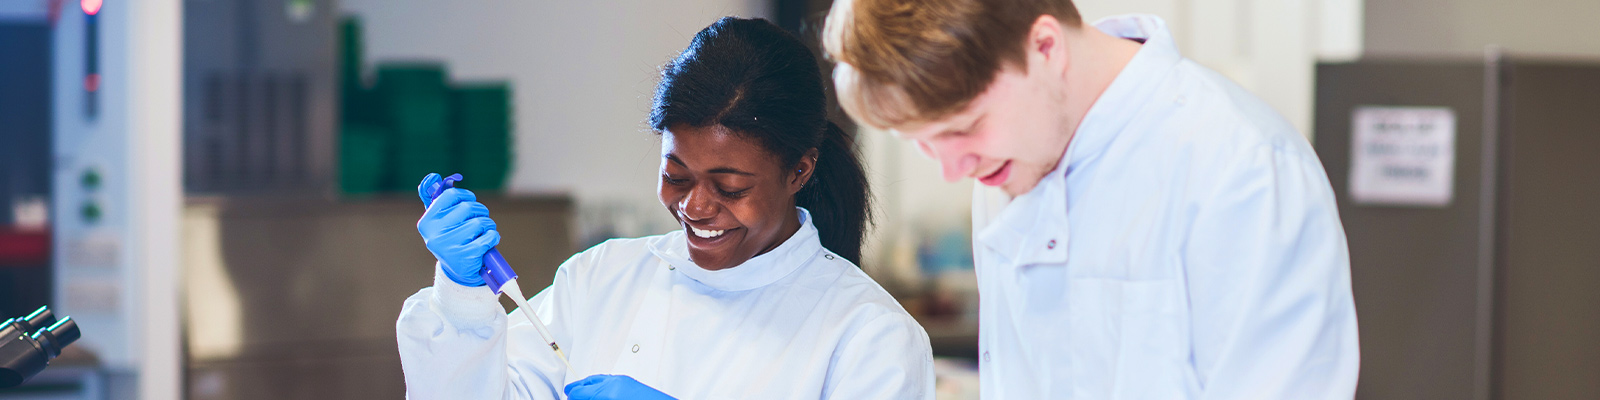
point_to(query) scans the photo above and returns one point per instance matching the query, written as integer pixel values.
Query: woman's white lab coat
(798, 322)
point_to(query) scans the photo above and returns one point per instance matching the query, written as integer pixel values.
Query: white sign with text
(1403, 156)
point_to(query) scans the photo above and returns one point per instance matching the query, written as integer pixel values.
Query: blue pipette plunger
(496, 272)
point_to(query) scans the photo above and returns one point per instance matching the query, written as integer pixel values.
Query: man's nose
(957, 167)
(954, 164)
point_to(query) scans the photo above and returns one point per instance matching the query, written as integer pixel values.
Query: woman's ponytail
(837, 195)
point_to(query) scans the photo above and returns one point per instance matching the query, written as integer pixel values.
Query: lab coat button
(985, 356)
(827, 256)
(1051, 245)
(636, 348)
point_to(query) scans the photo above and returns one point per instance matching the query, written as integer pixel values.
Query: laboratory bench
(297, 297)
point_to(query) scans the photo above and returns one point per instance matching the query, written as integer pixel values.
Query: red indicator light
(90, 7)
(91, 82)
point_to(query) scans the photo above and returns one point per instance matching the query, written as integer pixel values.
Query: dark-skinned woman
(757, 297)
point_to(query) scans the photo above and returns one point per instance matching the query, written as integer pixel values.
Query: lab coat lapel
(1033, 228)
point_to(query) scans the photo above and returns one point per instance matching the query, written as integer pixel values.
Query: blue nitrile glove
(612, 387)
(457, 229)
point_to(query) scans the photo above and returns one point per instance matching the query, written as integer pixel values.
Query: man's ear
(803, 170)
(1046, 46)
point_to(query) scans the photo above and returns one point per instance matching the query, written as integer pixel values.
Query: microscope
(27, 344)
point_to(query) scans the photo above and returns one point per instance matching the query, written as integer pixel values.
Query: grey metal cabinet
(1497, 293)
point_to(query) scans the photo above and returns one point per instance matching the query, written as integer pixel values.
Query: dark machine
(27, 344)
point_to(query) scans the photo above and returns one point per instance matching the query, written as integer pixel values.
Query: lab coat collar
(759, 271)
(1130, 92)
(1033, 228)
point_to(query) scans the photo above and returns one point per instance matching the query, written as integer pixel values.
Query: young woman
(757, 297)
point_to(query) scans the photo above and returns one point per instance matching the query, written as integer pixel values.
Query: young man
(1168, 236)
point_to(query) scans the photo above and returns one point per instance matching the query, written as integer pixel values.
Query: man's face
(1010, 136)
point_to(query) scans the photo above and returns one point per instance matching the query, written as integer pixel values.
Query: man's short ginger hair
(906, 61)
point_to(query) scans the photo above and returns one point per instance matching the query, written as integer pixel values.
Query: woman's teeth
(705, 233)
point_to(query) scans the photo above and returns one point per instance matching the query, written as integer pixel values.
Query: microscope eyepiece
(23, 355)
(57, 336)
(40, 318)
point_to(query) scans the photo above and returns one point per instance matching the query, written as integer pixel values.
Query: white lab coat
(1187, 247)
(798, 322)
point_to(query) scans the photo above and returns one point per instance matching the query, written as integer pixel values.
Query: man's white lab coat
(1187, 247)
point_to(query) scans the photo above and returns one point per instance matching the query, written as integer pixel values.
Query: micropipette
(499, 276)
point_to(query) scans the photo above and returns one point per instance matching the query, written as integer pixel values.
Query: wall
(582, 71)
(1464, 27)
(1268, 47)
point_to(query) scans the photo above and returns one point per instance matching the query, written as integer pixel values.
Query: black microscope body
(27, 344)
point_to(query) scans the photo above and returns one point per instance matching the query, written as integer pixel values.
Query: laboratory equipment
(115, 114)
(259, 86)
(499, 275)
(27, 344)
(1490, 292)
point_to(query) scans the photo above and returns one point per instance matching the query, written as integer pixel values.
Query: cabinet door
(1415, 270)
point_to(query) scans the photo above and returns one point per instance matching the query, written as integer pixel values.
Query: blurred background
(220, 192)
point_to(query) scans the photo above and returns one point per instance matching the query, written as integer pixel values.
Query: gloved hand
(612, 387)
(457, 229)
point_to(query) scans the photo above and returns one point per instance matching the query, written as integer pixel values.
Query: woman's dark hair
(757, 80)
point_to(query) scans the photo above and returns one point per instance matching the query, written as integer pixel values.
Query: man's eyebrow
(967, 128)
(976, 122)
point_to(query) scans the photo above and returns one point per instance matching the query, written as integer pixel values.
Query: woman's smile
(708, 240)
